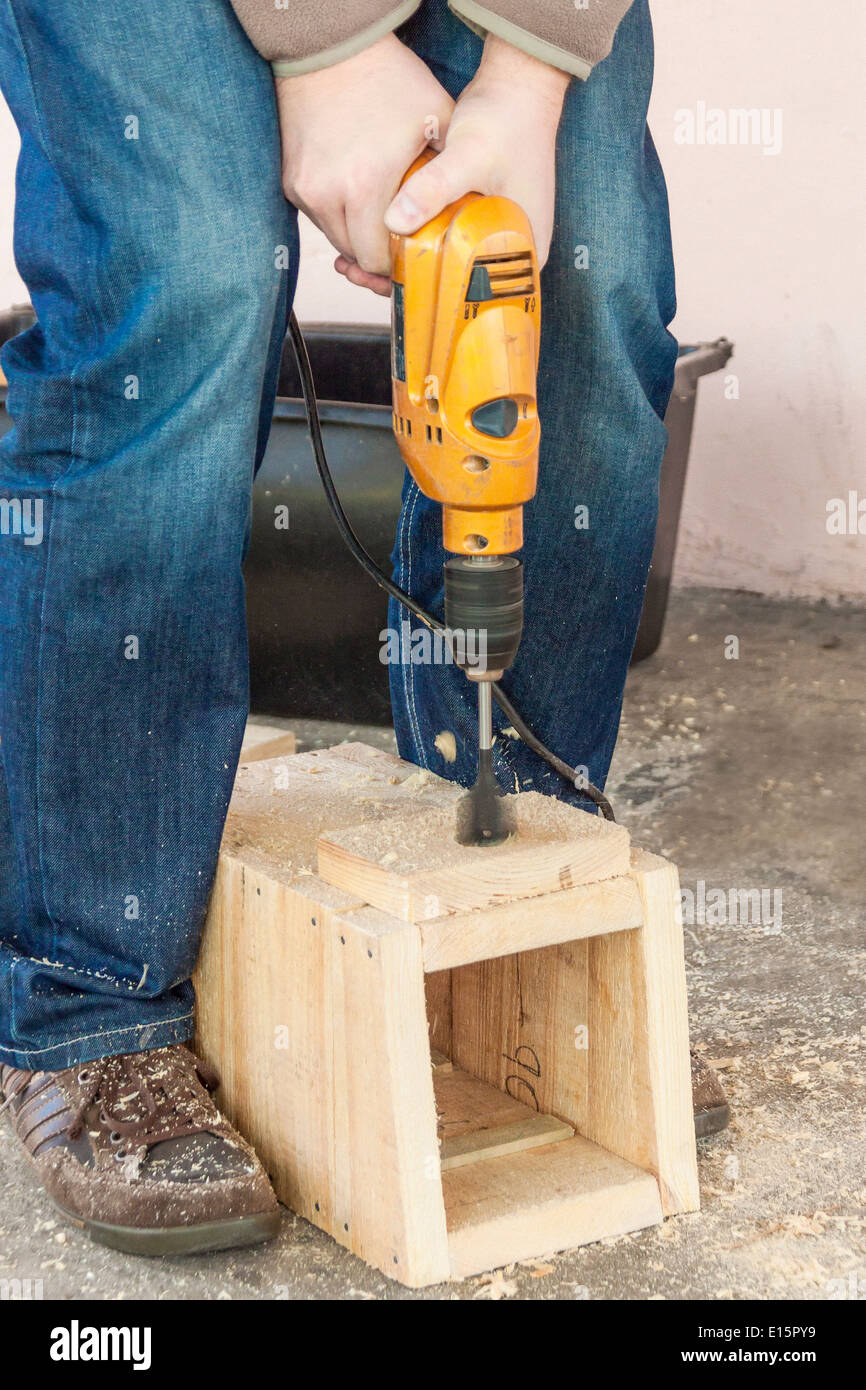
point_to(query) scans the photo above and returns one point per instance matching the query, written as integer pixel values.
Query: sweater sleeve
(298, 36)
(558, 32)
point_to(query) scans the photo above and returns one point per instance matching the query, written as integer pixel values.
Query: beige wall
(12, 290)
(770, 252)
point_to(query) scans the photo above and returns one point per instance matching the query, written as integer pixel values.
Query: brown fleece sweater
(299, 36)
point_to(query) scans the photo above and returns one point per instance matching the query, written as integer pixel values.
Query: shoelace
(164, 1084)
(13, 1095)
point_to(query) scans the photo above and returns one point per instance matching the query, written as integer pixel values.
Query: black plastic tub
(314, 617)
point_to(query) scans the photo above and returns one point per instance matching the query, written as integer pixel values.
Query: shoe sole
(711, 1121)
(179, 1240)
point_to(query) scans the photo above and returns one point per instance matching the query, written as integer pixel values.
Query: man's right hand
(349, 133)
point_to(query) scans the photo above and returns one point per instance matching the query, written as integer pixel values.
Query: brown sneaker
(135, 1152)
(712, 1111)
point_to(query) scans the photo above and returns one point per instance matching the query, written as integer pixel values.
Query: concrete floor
(748, 772)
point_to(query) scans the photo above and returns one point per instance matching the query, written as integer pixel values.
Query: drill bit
(483, 815)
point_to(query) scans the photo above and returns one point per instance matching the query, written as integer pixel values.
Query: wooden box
(448, 1059)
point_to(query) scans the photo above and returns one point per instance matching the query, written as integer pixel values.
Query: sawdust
(280, 807)
(495, 1287)
(446, 745)
(418, 782)
(423, 837)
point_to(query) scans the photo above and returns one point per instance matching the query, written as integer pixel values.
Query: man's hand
(349, 133)
(501, 139)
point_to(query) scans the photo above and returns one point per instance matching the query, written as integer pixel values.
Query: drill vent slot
(501, 277)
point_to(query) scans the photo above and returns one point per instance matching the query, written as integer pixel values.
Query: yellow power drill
(464, 358)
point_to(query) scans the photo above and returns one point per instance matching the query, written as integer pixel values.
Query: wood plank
(280, 806)
(613, 904)
(667, 1021)
(639, 1100)
(438, 992)
(411, 866)
(316, 1023)
(265, 1017)
(617, 1057)
(466, 1105)
(263, 741)
(541, 1200)
(528, 1133)
(476, 1121)
(390, 1204)
(520, 1023)
(439, 1062)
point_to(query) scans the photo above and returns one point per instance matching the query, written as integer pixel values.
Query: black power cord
(368, 564)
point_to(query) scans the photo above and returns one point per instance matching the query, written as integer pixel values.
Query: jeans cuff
(141, 1037)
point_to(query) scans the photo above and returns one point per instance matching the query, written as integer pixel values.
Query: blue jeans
(148, 226)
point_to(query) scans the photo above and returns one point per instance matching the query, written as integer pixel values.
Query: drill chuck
(484, 603)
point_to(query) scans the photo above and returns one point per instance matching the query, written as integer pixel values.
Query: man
(153, 232)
